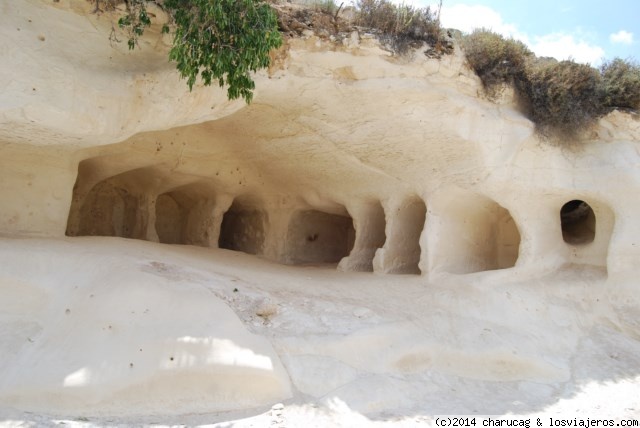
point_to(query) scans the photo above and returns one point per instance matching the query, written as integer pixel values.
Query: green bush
(223, 41)
(495, 60)
(621, 81)
(220, 41)
(401, 26)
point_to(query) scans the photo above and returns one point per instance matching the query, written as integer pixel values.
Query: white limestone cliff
(348, 157)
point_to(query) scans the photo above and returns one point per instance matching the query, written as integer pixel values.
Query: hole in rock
(587, 228)
(478, 235)
(109, 209)
(171, 218)
(125, 204)
(105, 200)
(318, 237)
(578, 222)
(184, 215)
(243, 227)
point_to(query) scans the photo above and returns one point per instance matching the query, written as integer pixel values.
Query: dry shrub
(563, 95)
(326, 6)
(402, 26)
(495, 60)
(106, 5)
(621, 81)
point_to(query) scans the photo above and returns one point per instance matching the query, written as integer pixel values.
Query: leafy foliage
(135, 21)
(223, 41)
(220, 41)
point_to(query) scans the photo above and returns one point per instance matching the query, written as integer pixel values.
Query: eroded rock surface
(348, 156)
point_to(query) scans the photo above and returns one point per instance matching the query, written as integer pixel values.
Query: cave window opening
(108, 210)
(481, 235)
(243, 228)
(578, 222)
(319, 237)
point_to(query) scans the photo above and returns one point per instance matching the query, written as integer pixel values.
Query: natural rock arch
(470, 232)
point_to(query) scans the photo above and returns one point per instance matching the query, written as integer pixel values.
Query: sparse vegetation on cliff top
(223, 41)
(399, 28)
(561, 96)
(403, 26)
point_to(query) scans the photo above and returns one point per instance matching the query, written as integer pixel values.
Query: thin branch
(338, 11)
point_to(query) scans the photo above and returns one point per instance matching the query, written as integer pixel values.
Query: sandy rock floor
(359, 349)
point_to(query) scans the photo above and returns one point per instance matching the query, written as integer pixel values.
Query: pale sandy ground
(360, 349)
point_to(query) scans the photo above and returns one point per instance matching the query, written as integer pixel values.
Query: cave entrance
(476, 235)
(578, 222)
(109, 209)
(185, 214)
(586, 231)
(172, 211)
(319, 237)
(125, 204)
(243, 227)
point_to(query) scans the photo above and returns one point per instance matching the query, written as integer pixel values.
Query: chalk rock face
(343, 140)
(348, 155)
(124, 338)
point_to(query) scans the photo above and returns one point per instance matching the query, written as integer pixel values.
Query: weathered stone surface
(348, 155)
(334, 128)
